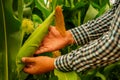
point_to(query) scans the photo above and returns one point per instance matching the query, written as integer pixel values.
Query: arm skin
(38, 65)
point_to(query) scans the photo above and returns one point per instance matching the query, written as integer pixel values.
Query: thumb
(28, 59)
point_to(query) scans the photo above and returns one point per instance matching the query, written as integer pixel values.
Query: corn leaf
(40, 5)
(91, 13)
(10, 40)
(98, 74)
(66, 75)
(103, 10)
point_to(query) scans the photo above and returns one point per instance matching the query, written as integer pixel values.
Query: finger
(28, 59)
(29, 70)
(29, 65)
(42, 50)
(54, 31)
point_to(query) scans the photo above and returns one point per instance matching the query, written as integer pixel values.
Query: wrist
(69, 38)
(52, 66)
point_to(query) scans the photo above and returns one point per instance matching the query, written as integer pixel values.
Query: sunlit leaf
(98, 74)
(91, 13)
(66, 75)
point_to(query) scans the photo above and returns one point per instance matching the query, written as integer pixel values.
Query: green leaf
(98, 74)
(103, 10)
(3, 48)
(36, 18)
(96, 6)
(91, 13)
(66, 75)
(103, 2)
(28, 2)
(40, 5)
(10, 39)
(67, 3)
(108, 69)
(88, 74)
(54, 4)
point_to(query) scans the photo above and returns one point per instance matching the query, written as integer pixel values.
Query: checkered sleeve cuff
(80, 35)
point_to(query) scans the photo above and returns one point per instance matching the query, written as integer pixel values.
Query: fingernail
(23, 59)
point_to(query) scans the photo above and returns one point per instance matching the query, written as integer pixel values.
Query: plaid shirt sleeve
(93, 29)
(100, 52)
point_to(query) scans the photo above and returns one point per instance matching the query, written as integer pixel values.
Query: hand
(54, 41)
(38, 65)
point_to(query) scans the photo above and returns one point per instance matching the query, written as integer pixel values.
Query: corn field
(20, 18)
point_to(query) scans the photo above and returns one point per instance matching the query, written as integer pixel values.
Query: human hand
(54, 41)
(38, 65)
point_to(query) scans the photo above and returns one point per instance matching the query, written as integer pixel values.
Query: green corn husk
(33, 42)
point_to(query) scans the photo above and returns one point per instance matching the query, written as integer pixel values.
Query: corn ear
(33, 42)
(59, 21)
